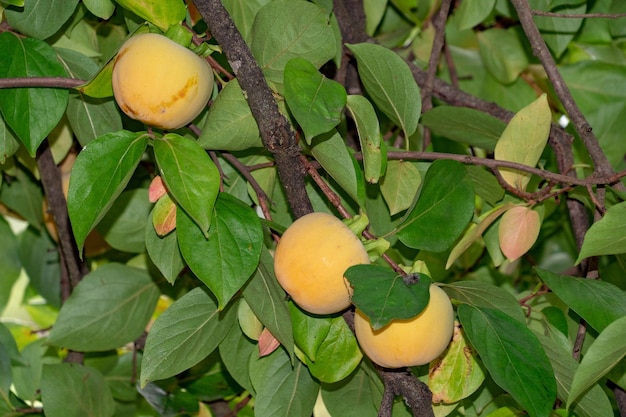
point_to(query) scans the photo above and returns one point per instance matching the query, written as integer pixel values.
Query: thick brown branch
(276, 133)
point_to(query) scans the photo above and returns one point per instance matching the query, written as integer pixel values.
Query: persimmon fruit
(159, 82)
(411, 342)
(311, 259)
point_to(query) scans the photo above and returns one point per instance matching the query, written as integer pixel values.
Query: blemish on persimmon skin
(164, 106)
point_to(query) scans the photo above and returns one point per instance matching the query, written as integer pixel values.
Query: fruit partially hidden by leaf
(159, 82)
(518, 231)
(311, 259)
(410, 342)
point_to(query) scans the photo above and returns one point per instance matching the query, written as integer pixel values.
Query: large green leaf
(243, 12)
(286, 29)
(398, 96)
(524, 140)
(31, 113)
(464, 125)
(227, 258)
(308, 331)
(513, 356)
(162, 13)
(190, 176)
(236, 350)
(40, 19)
(383, 295)
(315, 101)
(109, 308)
(370, 138)
(483, 294)
(283, 389)
(598, 302)
(607, 236)
(74, 390)
(187, 332)
(595, 402)
(268, 301)
(229, 124)
(101, 172)
(331, 152)
(603, 355)
(444, 207)
(503, 53)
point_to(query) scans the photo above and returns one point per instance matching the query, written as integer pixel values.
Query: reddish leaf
(519, 229)
(267, 343)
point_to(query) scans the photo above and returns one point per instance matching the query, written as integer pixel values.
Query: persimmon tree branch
(52, 82)
(277, 135)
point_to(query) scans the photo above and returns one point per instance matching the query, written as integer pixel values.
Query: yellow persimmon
(311, 259)
(409, 342)
(159, 82)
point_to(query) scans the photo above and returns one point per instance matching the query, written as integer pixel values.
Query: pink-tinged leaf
(157, 189)
(267, 343)
(519, 229)
(164, 215)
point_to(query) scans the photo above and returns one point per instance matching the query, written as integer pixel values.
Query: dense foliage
(476, 144)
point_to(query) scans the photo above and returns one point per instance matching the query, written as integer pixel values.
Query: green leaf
(503, 53)
(162, 13)
(89, 117)
(100, 8)
(229, 124)
(227, 258)
(471, 13)
(363, 389)
(399, 300)
(598, 302)
(164, 253)
(607, 236)
(187, 332)
(6, 378)
(400, 185)
(485, 295)
(9, 144)
(123, 227)
(236, 350)
(267, 300)
(331, 152)
(512, 355)
(286, 29)
(315, 101)
(364, 116)
(524, 140)
(100, 174)
(458, 373)
(594, 403)
(243, 12)
(40, 259)
(443, 208)
(309, 331)
(10, 264)
(31, 113)
(74, 390)
(190, 177)
(464, 125)
(283, 389)
(40, 19)
(557, 32)
(110, 307)
(7, 342)
(24, 196)
(27, 378)
(100, 86)
(397, 96)
(605, 353)
(338, 355)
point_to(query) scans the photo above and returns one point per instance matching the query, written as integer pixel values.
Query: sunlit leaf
(161, 13)
(607, 236)
(40, 20)
(400, 185)
(486, 295)
(370, 138)
(518, 231)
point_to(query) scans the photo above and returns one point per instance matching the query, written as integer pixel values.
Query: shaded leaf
(598, 302)
(443, 208)
(485, 295)
(398, 96)
(100, 174)
(24, 196)
(10, 264)
(315, 101)
(110, 307)
(187, 332)
(123, 227)
(164, 253)
(399, 300)
(503, 53)
(513, 356)
(364, 390)
(364, 116)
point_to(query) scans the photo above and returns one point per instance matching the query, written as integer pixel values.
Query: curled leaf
(519, 229)
(267, 343)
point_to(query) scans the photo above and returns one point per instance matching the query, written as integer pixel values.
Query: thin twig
(578, 15)
(46, 82)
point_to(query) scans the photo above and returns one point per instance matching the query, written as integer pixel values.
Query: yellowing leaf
(523, 140)
(156, 190)
(519, 229)
(164, 215)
